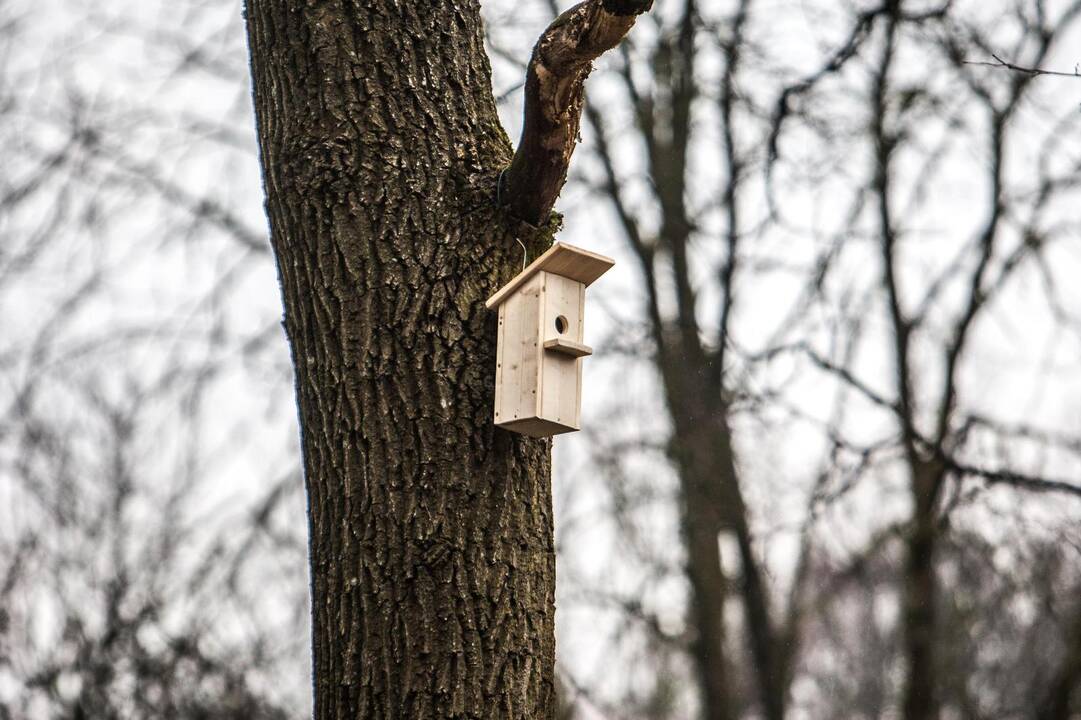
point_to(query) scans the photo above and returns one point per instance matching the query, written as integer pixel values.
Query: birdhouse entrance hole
(561, 324)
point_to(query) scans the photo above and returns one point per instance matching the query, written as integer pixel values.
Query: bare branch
(1018, 480)
(561, 61)
(1035, 72)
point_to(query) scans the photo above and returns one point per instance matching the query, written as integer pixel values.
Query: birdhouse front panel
(563, 302)
(564, 305)
(538, 389)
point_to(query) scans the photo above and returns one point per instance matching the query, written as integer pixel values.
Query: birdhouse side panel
(581, 336)
(518, 355)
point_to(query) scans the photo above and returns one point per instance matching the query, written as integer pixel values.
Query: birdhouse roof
(561, 259)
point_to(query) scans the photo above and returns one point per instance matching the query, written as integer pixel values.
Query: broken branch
(562, 59)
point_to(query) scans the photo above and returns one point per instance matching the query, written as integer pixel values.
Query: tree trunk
(432, 562)
(701, 525)
(1066, 682)
(712, 503)
(432, 551)
(920, 598)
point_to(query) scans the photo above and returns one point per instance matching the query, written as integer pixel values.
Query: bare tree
(142, 574)
(894, 98)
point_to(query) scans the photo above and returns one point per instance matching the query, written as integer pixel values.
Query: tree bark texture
(431, 539)
(432, 562)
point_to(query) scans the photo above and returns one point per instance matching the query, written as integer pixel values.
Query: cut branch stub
(561, 61)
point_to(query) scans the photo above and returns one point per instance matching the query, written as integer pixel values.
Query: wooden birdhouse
(538, 374)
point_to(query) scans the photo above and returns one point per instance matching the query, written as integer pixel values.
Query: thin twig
(1000, 63)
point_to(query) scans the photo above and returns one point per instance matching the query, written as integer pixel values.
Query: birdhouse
(538, 372)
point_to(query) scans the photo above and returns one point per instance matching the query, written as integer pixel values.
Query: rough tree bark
(432, 563)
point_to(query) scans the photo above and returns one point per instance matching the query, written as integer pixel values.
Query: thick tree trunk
(432, 561)
(432, 552)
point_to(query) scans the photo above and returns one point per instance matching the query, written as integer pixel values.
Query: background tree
(149, 563)
(895, 85)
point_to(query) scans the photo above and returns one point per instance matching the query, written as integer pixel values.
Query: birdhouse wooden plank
(538, 379)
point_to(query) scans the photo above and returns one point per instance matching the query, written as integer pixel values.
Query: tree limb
(561, 61)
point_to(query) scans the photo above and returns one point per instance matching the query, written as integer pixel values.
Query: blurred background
(849, 221)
